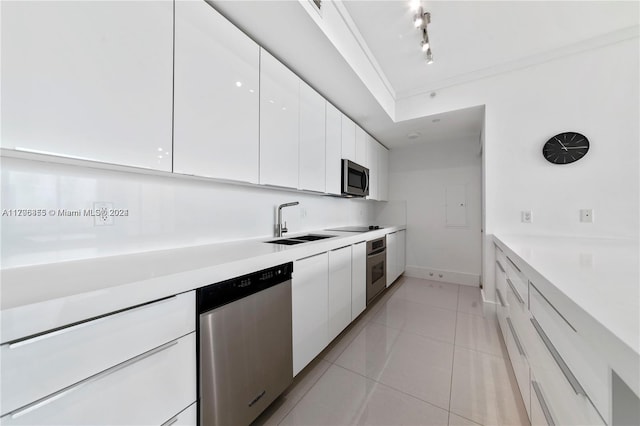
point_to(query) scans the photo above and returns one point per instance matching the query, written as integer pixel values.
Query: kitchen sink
(312, 237)
(299, 240)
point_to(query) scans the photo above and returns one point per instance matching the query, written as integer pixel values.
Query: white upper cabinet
(216, 99)
(90, 80)
(348, 138)
(279, 120)
(372, 164)
(312, 139)
(333, 139)
(361, 147)
(383, 173)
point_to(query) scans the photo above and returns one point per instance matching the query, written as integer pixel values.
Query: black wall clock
(565, 148)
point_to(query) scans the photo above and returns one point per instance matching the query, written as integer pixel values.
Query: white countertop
(42, 297)
(601, 277)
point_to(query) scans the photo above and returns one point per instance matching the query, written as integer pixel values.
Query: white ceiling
(470, 39)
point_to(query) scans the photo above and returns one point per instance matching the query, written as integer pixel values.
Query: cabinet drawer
(539, 413)
(517, 281)
(502, 310)
(566, 401)
(589, 370)
(500, 256)
(36, 367)
(187, 417)
(146, 390)
(518, 357)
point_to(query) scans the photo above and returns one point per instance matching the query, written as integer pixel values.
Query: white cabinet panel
(383, 173)
(372, 163)
(89, 80)
(312, 139)
(392, 257)
(310, 309)
(216, 100)
(187, 417)
(401, 262)
(358, 279)
(348, 138)
(145, 390)
(361, 147)
(333, 164)
(339, 290)
(279, 120)
(37, 367)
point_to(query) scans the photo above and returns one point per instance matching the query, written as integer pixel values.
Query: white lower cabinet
(339, 290)
(187, 417)
(562, 380)
(38, 367)
(518, 357)
(358, 279)
(310, 309)
(146, 390)
(401, 261)
(392, 257)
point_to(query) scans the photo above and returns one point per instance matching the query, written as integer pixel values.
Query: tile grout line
(453, 358)
(392, 388)
(307, 391)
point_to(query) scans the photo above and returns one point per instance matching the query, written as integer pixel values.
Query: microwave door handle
(366, 176)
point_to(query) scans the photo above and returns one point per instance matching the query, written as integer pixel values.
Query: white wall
(420, 174)
(164, 212)
(594, 92)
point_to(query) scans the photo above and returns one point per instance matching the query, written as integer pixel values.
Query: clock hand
(576, 147)
(563, 147)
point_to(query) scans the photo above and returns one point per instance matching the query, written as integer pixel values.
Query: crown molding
(550, 55)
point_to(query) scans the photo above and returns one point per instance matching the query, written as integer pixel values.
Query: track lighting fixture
(420, 20)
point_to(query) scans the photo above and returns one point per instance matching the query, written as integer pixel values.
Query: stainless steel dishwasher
(245, 348)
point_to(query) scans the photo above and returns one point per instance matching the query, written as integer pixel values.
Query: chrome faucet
(280, 228)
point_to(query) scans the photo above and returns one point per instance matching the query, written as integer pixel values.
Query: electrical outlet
(526, 216)
(586, 215)
(101, 216)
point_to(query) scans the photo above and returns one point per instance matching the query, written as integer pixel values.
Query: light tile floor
(425, 353)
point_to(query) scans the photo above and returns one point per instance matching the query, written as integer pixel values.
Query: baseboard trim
(461, 278)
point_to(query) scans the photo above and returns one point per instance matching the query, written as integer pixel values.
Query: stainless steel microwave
(355, 179)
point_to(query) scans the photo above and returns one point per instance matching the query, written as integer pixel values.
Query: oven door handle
(377, 252)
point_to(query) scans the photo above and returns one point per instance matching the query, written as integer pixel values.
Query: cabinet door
(383, 173)
(518, 356)
(339, 290)
(392, 257)
(361, 147)
(333, 164)
(312, 139)
(310, 309)
(279, 134)
(216, 100)
(358, 279)
(90, 80)
(372, 162)
(348, 138)
(401, 263)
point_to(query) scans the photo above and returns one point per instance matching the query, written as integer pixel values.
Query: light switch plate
(586, 215)
(526, 216)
